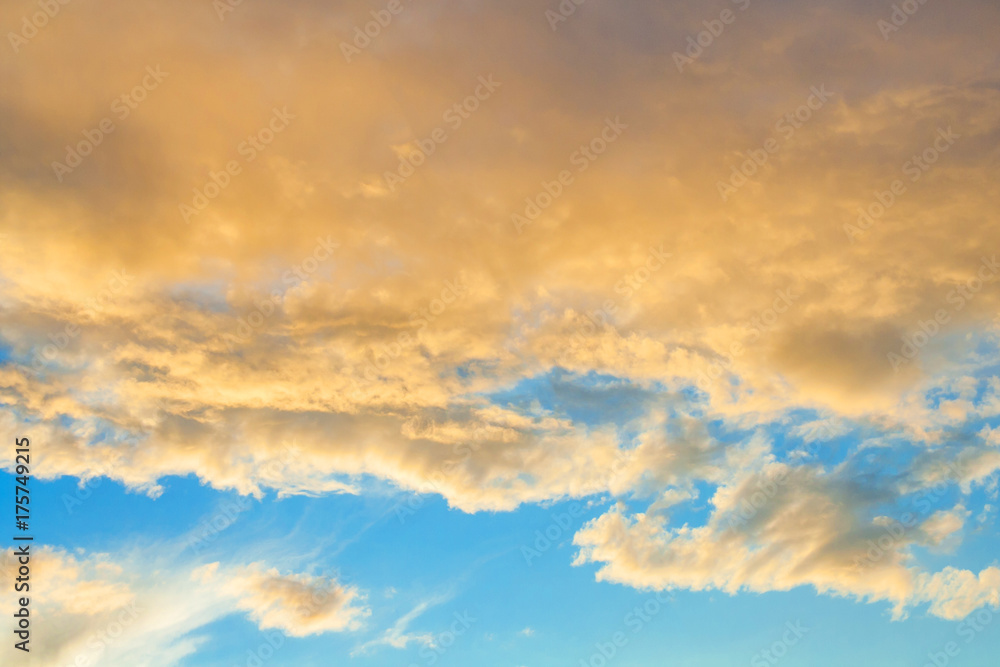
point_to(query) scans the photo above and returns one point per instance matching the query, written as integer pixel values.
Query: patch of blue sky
(98, 431)
(592, 399)
(695, 511)
(886, 463)
(474, 563)
(205, 296)
(475, 368)
(102, 514)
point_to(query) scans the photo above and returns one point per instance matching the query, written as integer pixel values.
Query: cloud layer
(312, 325)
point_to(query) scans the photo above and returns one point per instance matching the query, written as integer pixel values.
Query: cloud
(87, 585)
(780, 528)
(150, 608)
(942, 526)
(310, 328)
(397, 635)
(104, 608)
(954, 593)
(297, 604)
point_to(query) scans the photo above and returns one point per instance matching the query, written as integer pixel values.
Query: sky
(513, 334)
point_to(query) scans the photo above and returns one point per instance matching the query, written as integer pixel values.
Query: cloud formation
(297, 604)
(310, 329)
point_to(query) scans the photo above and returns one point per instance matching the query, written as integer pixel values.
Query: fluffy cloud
(297, 604)
(777, 528)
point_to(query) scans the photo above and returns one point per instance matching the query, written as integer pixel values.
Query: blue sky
(474, 565)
